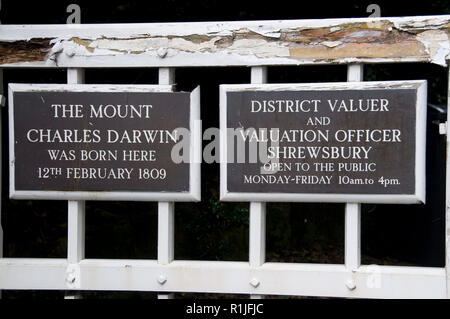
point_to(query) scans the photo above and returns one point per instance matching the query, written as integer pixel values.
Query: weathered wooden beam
(243, 43)
(24, 51)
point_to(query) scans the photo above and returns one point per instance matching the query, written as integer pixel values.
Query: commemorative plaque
(330, 142)
(105, 142)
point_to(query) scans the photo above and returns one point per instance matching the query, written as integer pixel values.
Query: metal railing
(256, 44)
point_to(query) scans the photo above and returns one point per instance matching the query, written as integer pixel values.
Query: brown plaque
(94, 142)
(335, 142)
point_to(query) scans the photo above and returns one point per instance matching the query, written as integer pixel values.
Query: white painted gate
(256, 44)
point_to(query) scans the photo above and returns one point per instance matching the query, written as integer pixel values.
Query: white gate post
(447, 195)
(257, 255)
(257, 218)
(353, 210)
(75, 219)
(2, 101)
(166, 220)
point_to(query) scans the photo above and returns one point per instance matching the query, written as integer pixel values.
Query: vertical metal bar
(353, 210)
(258, 75)
(76, 212)
(165, 232)
(166, 220)
(257, 255)
(2, 100)
(352, 235)
(257, 237)
(166, 76)
(447, 199)
(355, 72)
(75, 76)
(76, 231)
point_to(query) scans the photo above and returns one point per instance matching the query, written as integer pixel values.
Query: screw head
(162, 52)
(254, 282)
(70, 278)
(162, 279)
(70, 52)
(350, 284)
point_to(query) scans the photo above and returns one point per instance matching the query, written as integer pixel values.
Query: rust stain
(24, 51)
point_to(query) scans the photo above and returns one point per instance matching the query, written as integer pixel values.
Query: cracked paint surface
(415, 39)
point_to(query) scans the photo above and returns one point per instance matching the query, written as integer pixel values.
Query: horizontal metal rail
(226, 277)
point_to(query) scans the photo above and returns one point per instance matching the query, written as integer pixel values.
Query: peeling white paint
(364, 34)
(437, 45)
(331, 44)
(334, 29)
(259, 48)
(233, 43)
(429, 23)
(377, 24)
(148, 44)
(267, 32)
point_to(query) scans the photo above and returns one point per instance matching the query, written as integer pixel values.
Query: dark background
(133, 11)
(213, 230)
